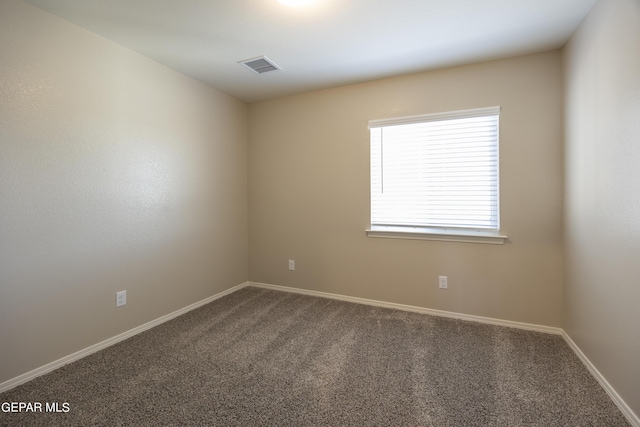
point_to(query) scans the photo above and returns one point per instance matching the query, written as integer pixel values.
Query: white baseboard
(633, 419)
(21, 379)
(441, 313)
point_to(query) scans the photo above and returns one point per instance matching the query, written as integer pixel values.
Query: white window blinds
(437, 170)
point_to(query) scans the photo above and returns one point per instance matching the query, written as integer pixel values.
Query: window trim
(466, 235)
(440, 234)
(449, 115)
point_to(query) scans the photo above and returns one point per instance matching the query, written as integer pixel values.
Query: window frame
(452, 234)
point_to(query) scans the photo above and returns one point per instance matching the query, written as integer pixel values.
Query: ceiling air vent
(260, 65)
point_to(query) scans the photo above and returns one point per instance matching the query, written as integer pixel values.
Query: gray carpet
(265, 358)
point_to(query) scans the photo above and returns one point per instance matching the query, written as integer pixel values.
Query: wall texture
(309, 193)
(602, 211)
(115, 173)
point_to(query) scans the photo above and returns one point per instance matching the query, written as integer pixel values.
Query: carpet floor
(266, 358)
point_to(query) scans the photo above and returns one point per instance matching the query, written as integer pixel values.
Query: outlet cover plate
(442, 282)
(121, 298)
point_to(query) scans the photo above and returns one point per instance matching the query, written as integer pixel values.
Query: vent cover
(260, 65)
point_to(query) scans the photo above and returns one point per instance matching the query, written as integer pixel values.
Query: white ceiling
(331, 43)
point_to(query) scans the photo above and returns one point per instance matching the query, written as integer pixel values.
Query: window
(436, 176)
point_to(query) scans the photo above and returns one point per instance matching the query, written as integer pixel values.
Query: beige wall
(309, 193)
(115, 173)
(602, 224)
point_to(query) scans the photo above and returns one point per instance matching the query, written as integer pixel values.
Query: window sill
(446, 235)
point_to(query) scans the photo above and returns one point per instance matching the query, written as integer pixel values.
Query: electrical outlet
(292, 265)
(442, 282)
(121, 298)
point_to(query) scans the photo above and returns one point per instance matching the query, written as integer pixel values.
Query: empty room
(322, 212)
